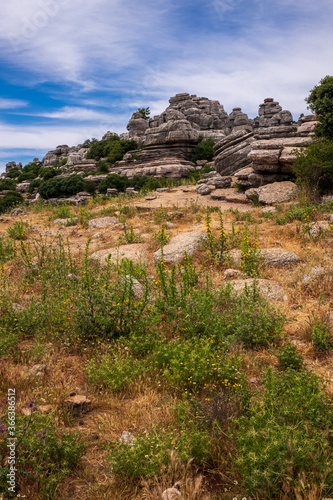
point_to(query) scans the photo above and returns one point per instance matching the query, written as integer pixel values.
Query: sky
(71, 70)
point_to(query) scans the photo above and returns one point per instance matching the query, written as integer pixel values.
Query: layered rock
(231, 153)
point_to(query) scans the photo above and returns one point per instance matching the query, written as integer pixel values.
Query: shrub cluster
(113, 149)
(62, 187)
(10, 199)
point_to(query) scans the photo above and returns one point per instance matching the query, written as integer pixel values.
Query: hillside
(132, 377)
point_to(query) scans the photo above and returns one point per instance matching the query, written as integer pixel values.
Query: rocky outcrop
(231, 153)
(268, 289)
(174, 251)
(13, 164)
(136, 252)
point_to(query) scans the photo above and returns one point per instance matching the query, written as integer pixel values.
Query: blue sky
(73, 69)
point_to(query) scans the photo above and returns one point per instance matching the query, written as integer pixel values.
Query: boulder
(269, 289)
(174, 251)
(102, 222)
(171, 494)
(203, 189)
(270, 256)
(277, 192)
(136, 252)
(315, 274)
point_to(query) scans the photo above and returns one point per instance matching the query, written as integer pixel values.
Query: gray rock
(66, 222)
(203, 189)
(269, 289)
(270, 256)
(315, 274)
(231, 153)
(97, 235)
(135, 252)
(222, 182)
(171, 494)
(174, 251)
(232, 273)
(37, 370)
(23, 187)
(278, 192)
(17, 211)
(102, 222)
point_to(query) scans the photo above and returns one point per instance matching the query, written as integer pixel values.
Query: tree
(144, 112)
(320, 102)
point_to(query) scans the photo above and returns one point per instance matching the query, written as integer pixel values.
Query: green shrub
(48, 173)
(42, 455)
(119, 182)
(320, 329)
(286, 434)
(63, 187)
(29, 172)
(7, 184)
(289, 358)
(18, 231)
(113, 149)
(320, 102)
(102, 167)
(11, 199)
(7, 251)
(204, 150)
(114, 372)
(151, 451)
(13, 173)
(314, 168)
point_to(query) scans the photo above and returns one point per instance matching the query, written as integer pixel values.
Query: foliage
(145, 113)
(204, 150)
(29, 172)
(11, 199)
(62, 187)
(13, 173)
(320, 330)
(6, 249)
(286, 434)
(18, 231)
(7, 184)
(320, 102)
(150, 451)
(113, 149)
(250, 253)
(115, 181)
(314, 167)
(289, 358)
(43, 455)
(48, 173)
(114, 372)
(102, 167)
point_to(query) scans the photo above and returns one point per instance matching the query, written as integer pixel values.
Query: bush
(119, 182)
(63, 187)
(13, 173)
(115, 373)
(320, 102)
(285, 435)
(11, 199)
(204, 150)
(113, 149)
(289, 358)
(7, 184)
(48, 173)
(314, 168)
(102, 167)
(29, 172)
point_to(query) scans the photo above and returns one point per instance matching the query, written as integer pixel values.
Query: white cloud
(12, 103)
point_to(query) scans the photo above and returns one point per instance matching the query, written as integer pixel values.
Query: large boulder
(277, 192)
(174, 251)
(136, 252)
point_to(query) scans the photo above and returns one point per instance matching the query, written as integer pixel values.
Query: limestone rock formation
(277, 192)
(13, 164)
(136, 252)
(231, 153)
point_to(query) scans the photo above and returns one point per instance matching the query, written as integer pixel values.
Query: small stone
(169, 224)
(17, 211)
(97, 235)
(231, 273)
(171, 494)
(266, 210)
(150, 198)
(315, 273)
(127, 438)
(203, 190)
(37, 370)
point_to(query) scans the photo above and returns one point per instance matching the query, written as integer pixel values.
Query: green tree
(320, 101)
(144, 112)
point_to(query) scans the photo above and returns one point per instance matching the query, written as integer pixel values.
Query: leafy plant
(114, 372)
(320, 102)
(289, 358)
(18, 231)
(204, 150)
(10, 200)
(320, 329)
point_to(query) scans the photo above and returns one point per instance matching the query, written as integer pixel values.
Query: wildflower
(162, 315)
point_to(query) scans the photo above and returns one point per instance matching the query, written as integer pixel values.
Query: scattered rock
(169, 224)
(267, 288)
(102, 222)
(66, 222)
(315, 273)
(187, 242)
(171, 494)
(127, 438)
(136, 252)
(150, 198)
(17, 211)
(203, 189)
(37, 371)
(266, 210)
(77, 404)
(232, 273)
(97, 235)
(112, 192)
(270, 256)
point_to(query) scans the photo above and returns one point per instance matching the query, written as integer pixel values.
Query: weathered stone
(232, 273)
(135, 252)
(37, 370)
(203, 189)
(231, 153)
(17, 211)
(278, 192)
(66, 222)
(174, 251)
(23, 187)
(102, 222)
(112, 192)
(171, 494)
(222, 194)
(270, 256)
(315, 274)
(269, 289)
(222, 182)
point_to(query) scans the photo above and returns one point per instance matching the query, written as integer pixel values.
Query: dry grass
(144, 405)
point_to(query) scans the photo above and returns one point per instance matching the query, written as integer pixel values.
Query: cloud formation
(73, 66)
